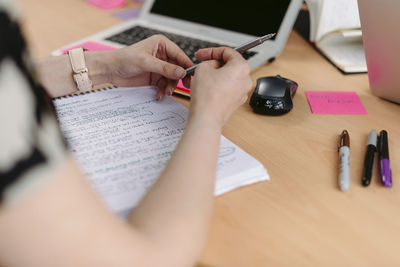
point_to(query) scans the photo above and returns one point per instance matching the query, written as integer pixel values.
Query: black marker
(369, 158)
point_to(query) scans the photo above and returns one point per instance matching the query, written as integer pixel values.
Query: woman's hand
(220, 85)
(154, 61)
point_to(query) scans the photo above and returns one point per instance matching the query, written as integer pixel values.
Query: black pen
(241, 48)
(369, 158)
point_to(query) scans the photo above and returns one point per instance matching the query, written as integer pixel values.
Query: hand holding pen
(242, 48)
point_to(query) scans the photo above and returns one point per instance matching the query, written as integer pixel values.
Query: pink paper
(91, 46)
(335, 103)
(182, 87)
(107, 4)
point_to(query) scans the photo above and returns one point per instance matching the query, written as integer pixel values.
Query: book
(335, 30)
(123, 137)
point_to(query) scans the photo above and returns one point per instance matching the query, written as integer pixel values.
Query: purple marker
(384, 164)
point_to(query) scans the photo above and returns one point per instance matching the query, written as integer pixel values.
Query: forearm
(56, 72)
(177, 210)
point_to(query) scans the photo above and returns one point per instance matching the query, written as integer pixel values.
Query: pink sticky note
(182, 87)
(107, 4)
(335, 103)
(91, 46)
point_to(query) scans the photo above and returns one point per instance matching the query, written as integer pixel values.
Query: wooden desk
(299, 217)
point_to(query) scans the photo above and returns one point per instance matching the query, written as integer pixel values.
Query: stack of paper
(123, 138)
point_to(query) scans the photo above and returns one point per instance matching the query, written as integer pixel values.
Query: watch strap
(80, 71)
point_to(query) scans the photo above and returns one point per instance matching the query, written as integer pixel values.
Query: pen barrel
(246, 47)
(386, 172)
(344, 174)
(368, 165)
(190, 71)
(383, 145)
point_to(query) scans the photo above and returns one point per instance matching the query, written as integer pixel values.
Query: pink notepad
(107, 4)
(91, 46)
(181, 86)
(335, 102)
(181, 89)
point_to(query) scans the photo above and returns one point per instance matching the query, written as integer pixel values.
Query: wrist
(97, 63)
(204, 121)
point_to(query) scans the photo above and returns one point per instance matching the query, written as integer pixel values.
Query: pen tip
(268, 36)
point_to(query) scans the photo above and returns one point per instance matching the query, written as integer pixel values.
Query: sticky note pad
(335, 102)
(182, 87)
(91, 46)
(107, 4)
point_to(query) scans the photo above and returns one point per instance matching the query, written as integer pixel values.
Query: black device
(253, 12)
(273, 95)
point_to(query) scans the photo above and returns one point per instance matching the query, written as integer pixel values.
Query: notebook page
(122, 138)
(346, 53)
(314, 8)
(337, 15)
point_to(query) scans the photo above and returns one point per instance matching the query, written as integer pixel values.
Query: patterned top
(30, 141)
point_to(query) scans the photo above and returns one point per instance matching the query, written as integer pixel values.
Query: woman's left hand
(154, 61)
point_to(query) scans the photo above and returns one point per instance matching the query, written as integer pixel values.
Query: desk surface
(299, 217)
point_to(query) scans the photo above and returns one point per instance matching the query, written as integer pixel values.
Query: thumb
(166, 69)
(215, 64)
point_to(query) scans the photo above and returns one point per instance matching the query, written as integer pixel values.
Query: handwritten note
(124, 137)
(335, 102)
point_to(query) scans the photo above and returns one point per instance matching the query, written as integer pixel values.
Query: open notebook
(123, 138)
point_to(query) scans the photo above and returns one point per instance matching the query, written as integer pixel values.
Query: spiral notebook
(123, 137)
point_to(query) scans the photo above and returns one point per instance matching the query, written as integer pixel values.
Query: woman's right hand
(220, 85)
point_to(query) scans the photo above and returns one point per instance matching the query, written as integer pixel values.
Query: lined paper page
(337, 15)
(123, 138)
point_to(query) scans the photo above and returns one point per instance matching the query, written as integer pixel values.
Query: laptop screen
(249, 17)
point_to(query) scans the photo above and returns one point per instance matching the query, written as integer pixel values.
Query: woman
(49, 214)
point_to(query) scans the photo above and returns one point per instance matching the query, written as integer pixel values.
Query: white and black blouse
(31, 145)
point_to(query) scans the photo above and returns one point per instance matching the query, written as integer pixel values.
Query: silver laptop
(197, 24)
(379, 23)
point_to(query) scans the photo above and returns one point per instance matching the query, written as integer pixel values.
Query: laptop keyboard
(188, 45)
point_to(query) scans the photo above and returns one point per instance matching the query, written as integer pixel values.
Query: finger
(165, 86)
(218, 53)
(166, 69)
(211, 64)
(175, 53)
(243, 100)
(186, 81)
(161, 85)
(170, 88)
